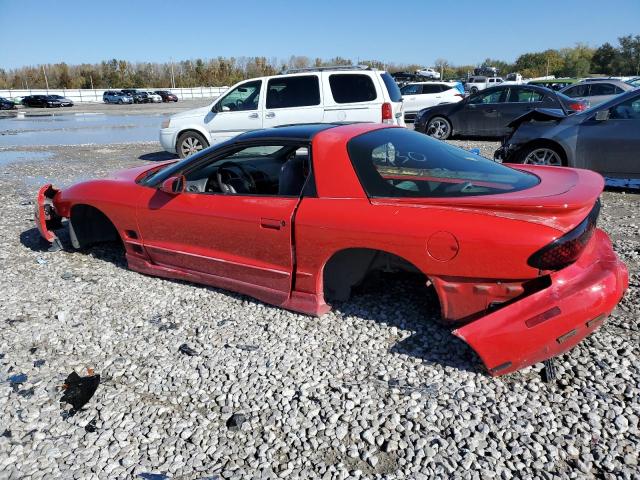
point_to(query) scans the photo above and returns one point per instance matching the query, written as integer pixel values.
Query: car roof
(304, 131)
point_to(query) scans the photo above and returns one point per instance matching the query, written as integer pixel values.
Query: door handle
(270, 115)
(253, 115)
(272, 223)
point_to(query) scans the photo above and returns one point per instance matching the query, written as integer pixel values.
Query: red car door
(240, 242)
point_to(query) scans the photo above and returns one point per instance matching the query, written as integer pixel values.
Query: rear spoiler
(538, 115)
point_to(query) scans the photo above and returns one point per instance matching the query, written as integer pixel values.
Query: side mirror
(602, 115)
(173, 185)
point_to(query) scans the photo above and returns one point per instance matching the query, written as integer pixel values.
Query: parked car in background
(129, 91)
(325, 94)
(167, 96)
(17, 100)
(402, 78)
(46, 101)
(555, 83)
(486, 70)
(488, 113)
(475, 84)
(6, 104)
(113, 96)
(417, 96)
(141, 97)
(519, 279)
(64, 101)
(153, 96)
(428, 73)
(596, 92)
(605, 138)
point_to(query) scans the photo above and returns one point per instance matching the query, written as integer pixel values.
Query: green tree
(605, 59)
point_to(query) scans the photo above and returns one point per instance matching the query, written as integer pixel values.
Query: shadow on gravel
(33, 240)
(158, 156)
(405, 302)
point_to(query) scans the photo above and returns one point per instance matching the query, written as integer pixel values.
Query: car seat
(292, 176)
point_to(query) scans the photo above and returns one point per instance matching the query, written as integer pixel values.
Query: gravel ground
(375, 389)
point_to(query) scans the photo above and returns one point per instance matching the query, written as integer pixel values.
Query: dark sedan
(64, 101)
(6, 104)
(167, 96)
(46, 101)
(141, 97)
(605, 138)
(489, 112)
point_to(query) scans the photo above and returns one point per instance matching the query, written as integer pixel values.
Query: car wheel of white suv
(189, 143)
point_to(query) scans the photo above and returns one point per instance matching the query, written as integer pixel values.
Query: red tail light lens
(387, 113)
(566, 249)
(578, 107)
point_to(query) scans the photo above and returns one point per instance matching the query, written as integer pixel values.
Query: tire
(542, 154)
(189, 143)
(474, 90)
(438, 127)
(120, 102)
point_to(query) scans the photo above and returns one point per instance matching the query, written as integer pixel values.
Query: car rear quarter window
(396, 163)
(525, 95)
(291, 92)
(431, 88)
(392, 87)
(352, 88)
(602, 89)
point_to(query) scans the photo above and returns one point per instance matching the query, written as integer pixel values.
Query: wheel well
(348, 268)
(543, 142)
(89, 226)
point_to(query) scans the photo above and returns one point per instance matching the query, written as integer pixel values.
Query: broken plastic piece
(187, 350)
(549, 373)
(79, 390)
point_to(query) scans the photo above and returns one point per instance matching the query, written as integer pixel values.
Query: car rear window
(352, 88)
(395, 162)
(392, 88)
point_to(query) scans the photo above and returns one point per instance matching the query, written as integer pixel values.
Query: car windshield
(394, 162)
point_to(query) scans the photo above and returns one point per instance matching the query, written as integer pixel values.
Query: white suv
(319, 95)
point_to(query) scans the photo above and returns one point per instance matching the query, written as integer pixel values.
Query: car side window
(602, 89)
(411, 90)
(578, 91)
(431, 89)
(352, 88)
(276, 170)
(525, 95)
(291, 92)
(629, 110)
(496, 96)
(243, 97)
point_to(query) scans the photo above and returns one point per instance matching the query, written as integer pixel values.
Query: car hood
(538, 115)
(132, 174)
(196, 112)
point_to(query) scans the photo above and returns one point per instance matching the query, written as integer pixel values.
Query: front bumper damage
(46, 218)
(553, 320)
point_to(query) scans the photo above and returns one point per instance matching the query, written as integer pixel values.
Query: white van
(318, 95)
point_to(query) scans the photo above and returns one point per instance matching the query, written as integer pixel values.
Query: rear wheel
(474, 90)
(438, 127)
(542, 155)
(189, 143)
(120, 101)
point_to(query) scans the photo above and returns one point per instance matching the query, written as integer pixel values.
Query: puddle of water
(14, 156)
(78, 129)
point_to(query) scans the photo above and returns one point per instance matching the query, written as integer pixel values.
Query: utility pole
(173, 78)
(91, 78)
(46, 81)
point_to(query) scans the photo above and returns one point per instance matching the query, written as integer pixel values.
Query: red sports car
(297, 216)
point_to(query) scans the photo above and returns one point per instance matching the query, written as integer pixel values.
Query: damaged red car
(297, 216)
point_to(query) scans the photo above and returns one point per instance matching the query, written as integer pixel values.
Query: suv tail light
(578, 107)
(566, 249)
(387, 113)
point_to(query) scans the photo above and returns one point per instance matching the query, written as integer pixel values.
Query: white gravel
(375, 389)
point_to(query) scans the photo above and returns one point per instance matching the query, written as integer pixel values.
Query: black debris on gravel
(79, 390)
(187, 350)
(38, 363)
(235, 421)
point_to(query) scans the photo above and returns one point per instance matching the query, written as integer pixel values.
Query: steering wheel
(227, 169)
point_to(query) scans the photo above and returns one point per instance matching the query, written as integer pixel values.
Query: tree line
(579, 61)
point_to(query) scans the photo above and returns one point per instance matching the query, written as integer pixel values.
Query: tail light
(387, 113)
(578, 107)
(566, 249)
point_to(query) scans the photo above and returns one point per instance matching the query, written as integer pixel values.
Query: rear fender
(46, 218)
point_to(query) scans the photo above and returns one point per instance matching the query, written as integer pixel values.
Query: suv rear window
(352, 88)
(392, 87)
(395, 162)
(293, 92)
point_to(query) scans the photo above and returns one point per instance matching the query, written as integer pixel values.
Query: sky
(462, 31)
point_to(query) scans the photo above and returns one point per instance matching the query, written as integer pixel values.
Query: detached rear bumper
(46, 218)
(555, 319)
